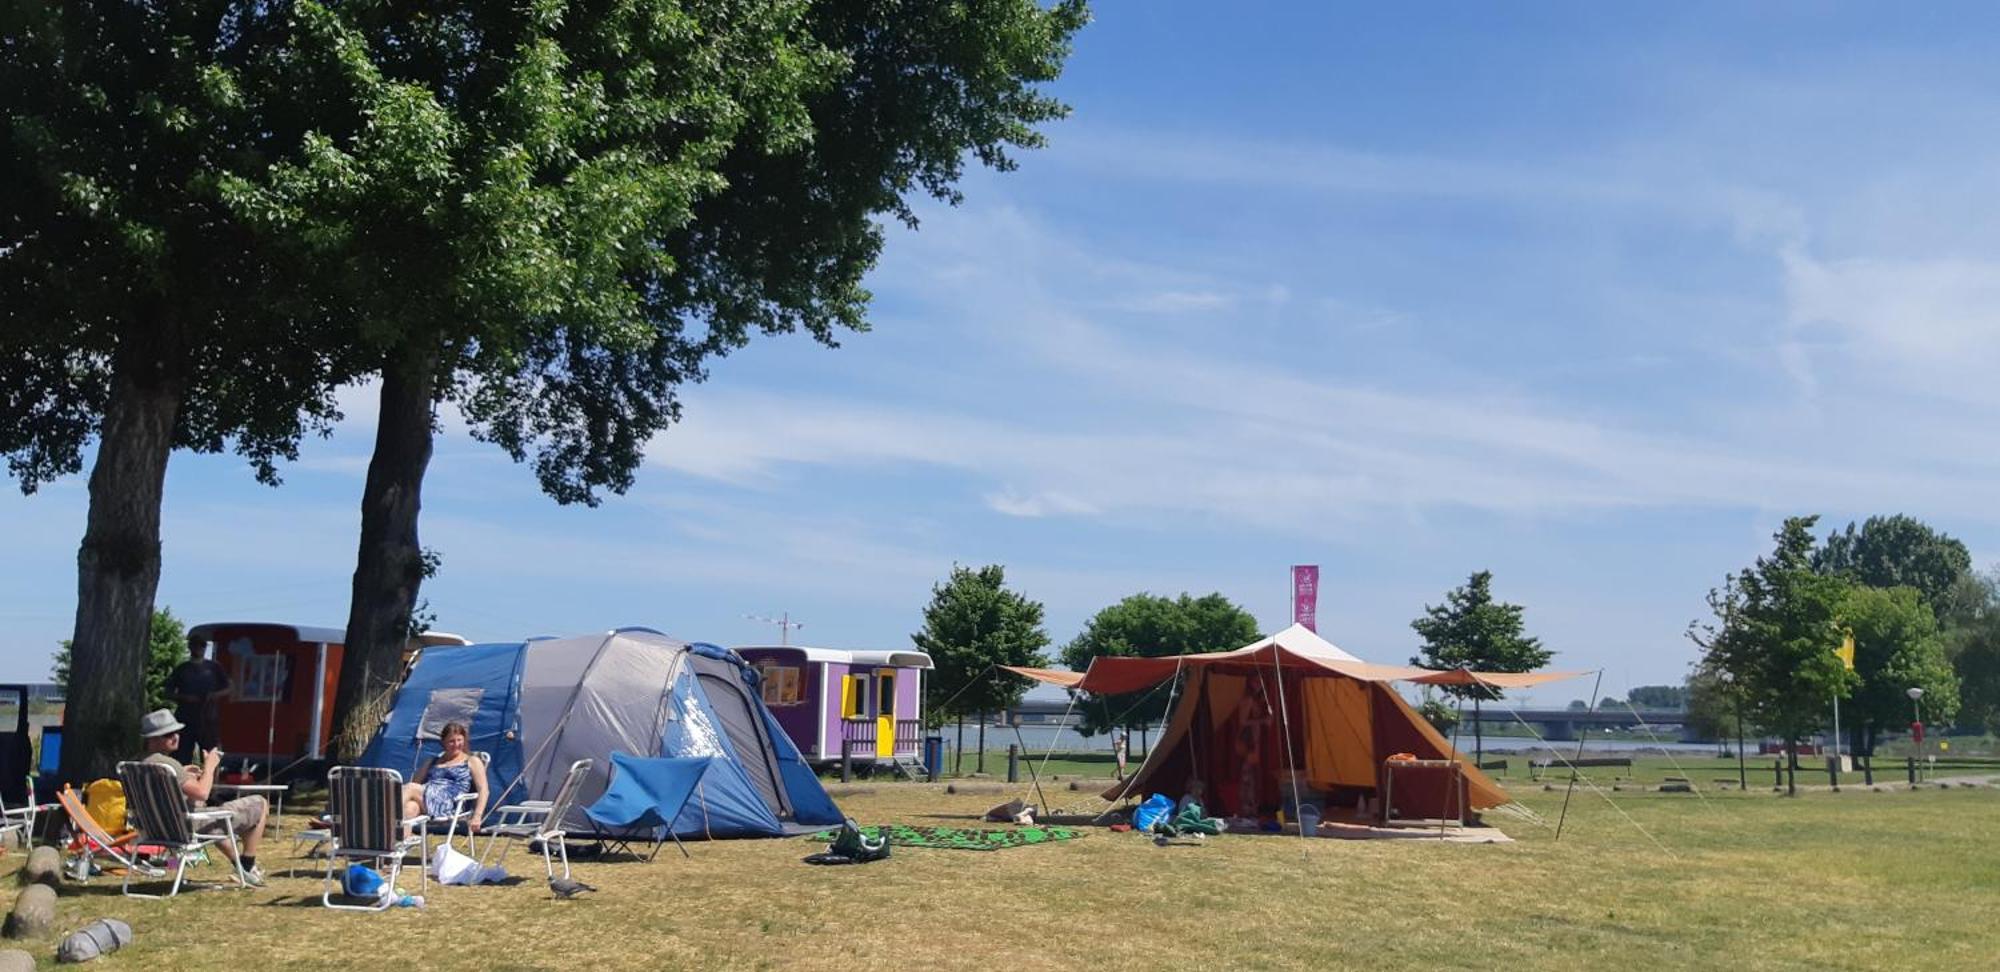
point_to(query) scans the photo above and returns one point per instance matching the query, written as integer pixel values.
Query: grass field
(1854, 880)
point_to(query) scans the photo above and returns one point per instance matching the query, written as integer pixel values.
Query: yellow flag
(1846, 650)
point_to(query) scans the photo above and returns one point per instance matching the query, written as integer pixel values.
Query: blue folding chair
(647, 793)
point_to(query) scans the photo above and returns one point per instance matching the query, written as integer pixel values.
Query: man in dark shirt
(197, 686)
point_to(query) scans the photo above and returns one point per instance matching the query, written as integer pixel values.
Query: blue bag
(1156, 808)
(361, 881)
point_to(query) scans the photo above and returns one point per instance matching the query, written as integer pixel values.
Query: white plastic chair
(157, 807)
(540, 821)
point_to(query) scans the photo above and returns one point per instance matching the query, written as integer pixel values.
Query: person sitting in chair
(162, 735)
(438, 785)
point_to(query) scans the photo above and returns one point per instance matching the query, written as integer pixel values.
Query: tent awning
(1295, 647)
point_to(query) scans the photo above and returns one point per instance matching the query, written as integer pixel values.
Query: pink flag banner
(1305, 596)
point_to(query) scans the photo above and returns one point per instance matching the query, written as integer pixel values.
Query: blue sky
(1587, 295)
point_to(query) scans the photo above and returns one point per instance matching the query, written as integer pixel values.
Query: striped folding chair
(365, 805)
(539, 821)
(159, 810)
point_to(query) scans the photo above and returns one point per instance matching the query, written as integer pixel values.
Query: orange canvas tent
(1294, 707)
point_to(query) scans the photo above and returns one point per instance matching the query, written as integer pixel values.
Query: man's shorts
(245, 813)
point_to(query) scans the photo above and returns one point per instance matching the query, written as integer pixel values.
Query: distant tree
(1578, 705)
(1147, 626)
(1897, 645)
(1899, 551)
(1658, 697)
(1972, 642)
(1714, 705)
(1773, 636)
(1442, 717)
(1610, 703)
(1471, 630)
(972, 624)
(166, 648)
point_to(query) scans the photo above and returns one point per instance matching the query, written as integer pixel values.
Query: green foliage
(123, 265)
(1441, 715)
(1150, 627)
(1658, 697)
(1715, 704)
(1897, 645)
(1471, 630)
(973, 623)
(1899, 551)
(1776, 627)
(166, 648)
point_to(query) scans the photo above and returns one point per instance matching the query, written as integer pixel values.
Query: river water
(1065, 739)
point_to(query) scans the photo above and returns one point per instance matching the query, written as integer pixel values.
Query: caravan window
(782, 684)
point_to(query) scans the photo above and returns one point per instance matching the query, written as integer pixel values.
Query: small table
(268, 790)
(1454, 779)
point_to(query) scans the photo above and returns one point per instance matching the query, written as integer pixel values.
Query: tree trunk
(118, 568)
(958, 761)
(1478, 735)
(1792, 767)
(1742, 769)
(979, 765)
(389, 566)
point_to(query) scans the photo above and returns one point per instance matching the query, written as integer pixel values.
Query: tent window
(448, 705)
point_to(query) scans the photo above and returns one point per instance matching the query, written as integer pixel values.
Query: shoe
(254, 877)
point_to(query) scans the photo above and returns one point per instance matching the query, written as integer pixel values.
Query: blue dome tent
(539, 705)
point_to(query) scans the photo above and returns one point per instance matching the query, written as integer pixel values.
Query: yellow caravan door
(885, 715)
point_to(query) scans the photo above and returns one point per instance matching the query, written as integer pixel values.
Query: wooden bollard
(1868, 769)
(1013, 763)
(846, 762)
(1777, 772)
(1913, 771)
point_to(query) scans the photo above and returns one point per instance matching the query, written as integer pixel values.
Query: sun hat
(159, 722)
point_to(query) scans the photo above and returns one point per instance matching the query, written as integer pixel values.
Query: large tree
(1471, 630)
(551, 218)
(1775, 630)
(1148, 626)
(1897, 646)
(1899, 551)
(972, 624)
(136, 311)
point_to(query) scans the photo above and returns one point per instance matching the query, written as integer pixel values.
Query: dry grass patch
(1850, 881)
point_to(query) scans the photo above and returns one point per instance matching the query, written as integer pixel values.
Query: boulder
(44, 867)
(15, 960)
(34, 913)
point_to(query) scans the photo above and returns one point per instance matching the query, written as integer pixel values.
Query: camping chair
(540, 821)
(461, 813)
(21, 819)
(159, 810)
(646, 794)
(88, 839)
(365, 805)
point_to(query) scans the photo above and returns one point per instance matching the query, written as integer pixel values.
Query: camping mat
(963, 838)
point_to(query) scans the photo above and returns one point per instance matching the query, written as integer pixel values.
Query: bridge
(1555, 725)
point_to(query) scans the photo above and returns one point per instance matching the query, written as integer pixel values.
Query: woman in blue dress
(438, 785)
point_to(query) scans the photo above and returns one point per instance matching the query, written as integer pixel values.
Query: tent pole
(1581, 737)
(1032, 775)
(1291, 765)
(1138, 771)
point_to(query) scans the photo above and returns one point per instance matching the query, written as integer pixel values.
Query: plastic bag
(452, 867)
(1156, 808)
(362, 881)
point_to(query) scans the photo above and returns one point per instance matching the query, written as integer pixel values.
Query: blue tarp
(649, 792)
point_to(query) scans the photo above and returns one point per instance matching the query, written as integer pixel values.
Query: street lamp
(1916, 695)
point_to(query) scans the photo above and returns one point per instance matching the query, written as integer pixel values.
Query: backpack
(105, 799)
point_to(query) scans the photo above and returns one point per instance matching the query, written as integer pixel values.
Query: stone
(1677, 787)
(34, 913)
(15, 960)
(44, 867)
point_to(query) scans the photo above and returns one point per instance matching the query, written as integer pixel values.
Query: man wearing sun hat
(162, 735)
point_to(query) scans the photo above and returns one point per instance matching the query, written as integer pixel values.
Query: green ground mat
(963, 838)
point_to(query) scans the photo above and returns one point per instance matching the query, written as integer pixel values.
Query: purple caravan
(832, 701)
